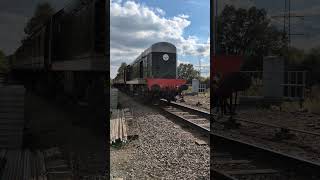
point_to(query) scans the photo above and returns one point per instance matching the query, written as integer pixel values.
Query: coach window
(145, 66)
(141, 69)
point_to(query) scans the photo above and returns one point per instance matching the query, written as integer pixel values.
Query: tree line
(250, 33)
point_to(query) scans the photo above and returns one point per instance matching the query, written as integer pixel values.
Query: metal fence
(294, 84)
(202, 88)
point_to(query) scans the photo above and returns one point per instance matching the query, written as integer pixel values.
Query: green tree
(42, 14)
(312, 63)
(248, 32)
(205, 80)
(187, 72)
(3, 63)
(296, 56)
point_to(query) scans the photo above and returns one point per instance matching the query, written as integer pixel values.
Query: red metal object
(164, 83)
(226, 64)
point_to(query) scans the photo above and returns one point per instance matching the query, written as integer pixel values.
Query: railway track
(196, 119)
(235, 159)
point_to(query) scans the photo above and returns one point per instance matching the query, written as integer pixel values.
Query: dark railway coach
(158, 61)
(67, 54)
(153, 73)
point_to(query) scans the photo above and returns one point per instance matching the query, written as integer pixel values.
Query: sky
(136, 25)
(309, 26)
(14, 15)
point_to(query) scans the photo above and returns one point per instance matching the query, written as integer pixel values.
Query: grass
(254, 90)
(310, 104)
(290, 106)
(118, 144)
(189, 91)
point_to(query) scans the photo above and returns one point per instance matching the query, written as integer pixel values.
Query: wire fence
(294, 84)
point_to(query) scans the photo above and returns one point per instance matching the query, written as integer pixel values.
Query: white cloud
(134, 27)
(160, 11)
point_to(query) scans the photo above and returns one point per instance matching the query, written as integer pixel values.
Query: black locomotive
(153, 73)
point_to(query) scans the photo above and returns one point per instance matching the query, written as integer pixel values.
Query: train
(153, 74)
(67, 55)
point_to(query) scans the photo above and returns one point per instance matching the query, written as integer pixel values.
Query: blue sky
(135, 25)
(198, 10)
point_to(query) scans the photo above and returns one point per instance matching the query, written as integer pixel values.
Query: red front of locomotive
(165, 84)
(166, 88)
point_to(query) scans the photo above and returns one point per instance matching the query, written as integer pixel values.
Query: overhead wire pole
(287, 16)
(287, 24)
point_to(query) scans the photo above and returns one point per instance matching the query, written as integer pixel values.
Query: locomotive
(67, 54)
(66, 59)
(153, 73)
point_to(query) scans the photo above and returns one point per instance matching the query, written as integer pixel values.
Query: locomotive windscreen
(164, 65)
(164, 60)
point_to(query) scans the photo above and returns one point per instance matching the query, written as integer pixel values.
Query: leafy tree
(187, 72)
(248, 33)
(205, 80)
(3, 63)
(312, 58)
(312, 63)
(296, 56)
(42, 14)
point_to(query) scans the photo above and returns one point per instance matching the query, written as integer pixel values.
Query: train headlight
(165, 57)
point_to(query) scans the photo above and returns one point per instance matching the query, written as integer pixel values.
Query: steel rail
(279, 127)
(306, 167)
(275, 126)
(187, 122)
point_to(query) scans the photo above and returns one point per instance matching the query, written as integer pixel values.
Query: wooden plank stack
(118, 126)
(11, 116)
(36, 165)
